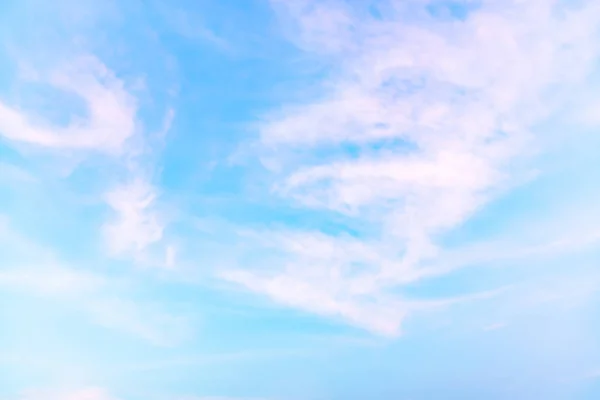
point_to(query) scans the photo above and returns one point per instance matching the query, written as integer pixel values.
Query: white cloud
(110, 119)
(137, 223)
(440, 112)
(321, 29)
(108, 126)
(341, 277)
(379, 314)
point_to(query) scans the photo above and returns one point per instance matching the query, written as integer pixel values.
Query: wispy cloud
(433, 118)
(110, 118)
(103, 299)
(136, 224)
(191, 26)
(100, 300)
(109, 125)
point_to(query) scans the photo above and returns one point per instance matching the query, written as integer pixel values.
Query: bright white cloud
(110, 119)
(136, 224)
(439, 110)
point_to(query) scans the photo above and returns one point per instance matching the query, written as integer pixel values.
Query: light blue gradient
(156, 308)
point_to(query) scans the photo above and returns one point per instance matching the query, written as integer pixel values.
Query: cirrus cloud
(433, 118)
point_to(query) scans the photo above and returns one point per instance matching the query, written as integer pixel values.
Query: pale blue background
(225, 69)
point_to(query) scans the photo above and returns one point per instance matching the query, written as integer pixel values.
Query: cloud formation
(108, 126)
(434, 115)
(137, 224)
(110, 118)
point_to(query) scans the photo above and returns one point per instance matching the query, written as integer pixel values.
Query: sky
(299, 199)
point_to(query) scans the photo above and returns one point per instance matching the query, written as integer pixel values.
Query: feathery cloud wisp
(111, 111)
(437, 114)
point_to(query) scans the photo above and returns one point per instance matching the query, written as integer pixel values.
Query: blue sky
(298, 200)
